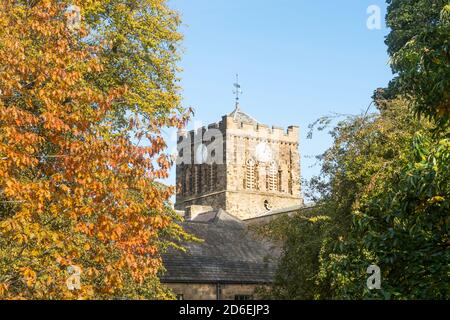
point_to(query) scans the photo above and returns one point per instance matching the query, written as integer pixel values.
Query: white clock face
(201, 154)
(263, 152)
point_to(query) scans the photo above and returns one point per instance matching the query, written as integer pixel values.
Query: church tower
(239, 165)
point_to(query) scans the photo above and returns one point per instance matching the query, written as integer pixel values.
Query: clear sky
(297, 60)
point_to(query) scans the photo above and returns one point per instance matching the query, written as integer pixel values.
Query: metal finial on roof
(237, 90)
(238, 114)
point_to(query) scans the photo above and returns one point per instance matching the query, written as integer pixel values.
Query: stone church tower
(239, 165)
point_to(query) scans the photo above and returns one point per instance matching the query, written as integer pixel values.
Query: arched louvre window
(187, 181)
(183, 183)
(272, 177)
(207, 178)
(250, 174)
(280, 176)
(190, 182)
(198, 179)
(213, 176)
(290, 185)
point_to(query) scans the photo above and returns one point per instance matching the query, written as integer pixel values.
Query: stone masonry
(239, 165)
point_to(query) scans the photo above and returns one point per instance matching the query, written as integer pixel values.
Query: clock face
(201, 154)
(263, 152)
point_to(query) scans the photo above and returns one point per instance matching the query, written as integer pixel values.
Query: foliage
(419, 46)
(297, 270)
(77, 184)
(368, 164)
(384, 183)
(365, 147)
(402, 225)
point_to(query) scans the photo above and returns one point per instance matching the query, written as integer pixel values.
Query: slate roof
(229, 253)
(241, 116)
(277, 212)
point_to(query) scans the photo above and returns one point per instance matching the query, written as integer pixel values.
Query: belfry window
(213, 176)
(280, 176)
(207, 177)
(272, 177)
(198, 179)
(250, 174)
(190, 182)
(183, 183)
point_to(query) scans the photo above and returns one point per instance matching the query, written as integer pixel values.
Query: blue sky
(297, 60)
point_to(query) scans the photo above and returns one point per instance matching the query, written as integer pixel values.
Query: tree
(301, 239)
(78, 187)
(366, 148)
(402, 225)
(384, 182)
(419, 47)
(382, 198)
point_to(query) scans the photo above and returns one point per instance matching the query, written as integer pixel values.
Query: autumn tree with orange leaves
(81, 149)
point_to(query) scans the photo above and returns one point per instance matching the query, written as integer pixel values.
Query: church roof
(230, 253)
(241, 116)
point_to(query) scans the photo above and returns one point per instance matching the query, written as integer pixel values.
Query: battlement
(230, 125)
(237, 127)
(242, 124)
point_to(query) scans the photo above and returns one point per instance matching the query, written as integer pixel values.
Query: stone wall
(193, 291)
(198, 291)
(229, 291)
(248, 204)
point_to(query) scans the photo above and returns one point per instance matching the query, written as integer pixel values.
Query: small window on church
(267, 205)
(243, 297)
(180, 297)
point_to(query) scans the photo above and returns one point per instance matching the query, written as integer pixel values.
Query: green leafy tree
(384, 184)
(419, 46)
(365, 148)
(402, 225)
(382, 198)
(300, 238)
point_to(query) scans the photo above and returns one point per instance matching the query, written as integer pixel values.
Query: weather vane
(238, 90)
